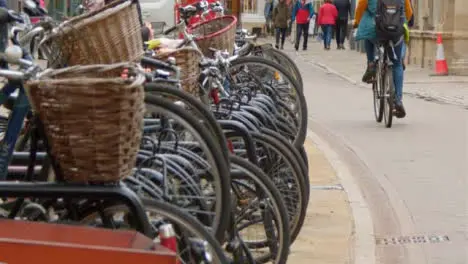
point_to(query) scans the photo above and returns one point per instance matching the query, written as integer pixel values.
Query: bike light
(230, 146)
(277, 76)
(168, 238)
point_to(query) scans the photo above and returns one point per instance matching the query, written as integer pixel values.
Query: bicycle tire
(221, 163)
(304, 191)
(175, 215)
(389, 96)
(260, 178)
(284, 59)
(297, 154)
(192, 101)
(298, 211)
(187, 220)
(302, 129)
(304, 157)
(377, 91)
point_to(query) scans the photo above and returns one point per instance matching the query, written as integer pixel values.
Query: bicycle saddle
(187, 12)
(242, 31)
(8, 16)
(215, 4)
(32, 9)
(201, 6)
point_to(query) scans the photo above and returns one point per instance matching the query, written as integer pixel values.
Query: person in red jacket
(327, 19)
(303, 11)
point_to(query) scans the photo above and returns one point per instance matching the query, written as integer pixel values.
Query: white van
(157, 11)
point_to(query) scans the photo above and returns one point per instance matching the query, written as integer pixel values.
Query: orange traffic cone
(441, 67)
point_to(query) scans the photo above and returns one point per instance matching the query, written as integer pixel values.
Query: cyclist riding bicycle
(378, 20)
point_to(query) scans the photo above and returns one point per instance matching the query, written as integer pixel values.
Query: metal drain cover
(417, 239)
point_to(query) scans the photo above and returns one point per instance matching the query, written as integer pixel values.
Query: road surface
(413, 176)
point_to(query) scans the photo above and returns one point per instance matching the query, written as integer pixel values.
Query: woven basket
(218, 33)
(108, 35)
(187, 59)
(93, 123)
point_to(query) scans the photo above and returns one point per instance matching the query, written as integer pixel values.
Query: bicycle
(182, 161)
(218, 168)
(74, 202)
(383, 86)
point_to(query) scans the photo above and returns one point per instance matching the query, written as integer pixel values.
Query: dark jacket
(411, 21)
(281, 15)
(344, 9)
(145, 33)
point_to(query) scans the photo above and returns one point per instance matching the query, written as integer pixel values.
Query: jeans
(302, 29)
(398, 75)
(288, 32)
(268, 23)
(341, 31)
(327, 35)
(280, 32)
(403, 52)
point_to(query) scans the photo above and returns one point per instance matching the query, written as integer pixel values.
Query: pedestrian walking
(327, 19)
(290, 4)
(147, 32)
(302, 13)
(404, 47)
(341, 28)
(281, 16)
(268, 12)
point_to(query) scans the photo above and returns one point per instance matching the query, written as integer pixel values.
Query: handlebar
(145, 61)
(12, 75)
(170, 30)
(27, 69)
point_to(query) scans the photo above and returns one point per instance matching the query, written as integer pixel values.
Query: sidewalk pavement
(326, 236)
(350, 65)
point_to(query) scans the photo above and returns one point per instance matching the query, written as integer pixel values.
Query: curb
(363, 235)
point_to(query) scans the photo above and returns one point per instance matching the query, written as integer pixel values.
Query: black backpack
(389, 19)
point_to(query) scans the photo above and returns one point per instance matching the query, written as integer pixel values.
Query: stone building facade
(448, 17)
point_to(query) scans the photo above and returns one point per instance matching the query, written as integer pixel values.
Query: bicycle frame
(383, 50)
(15, 123)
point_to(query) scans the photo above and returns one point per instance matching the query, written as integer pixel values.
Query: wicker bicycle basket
(187, 59)
(218, 33)
(93, 124)
(105, 36)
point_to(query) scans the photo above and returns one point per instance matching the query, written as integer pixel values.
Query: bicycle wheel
(290, 92)
(281, 166)
(389, 96)
(299, 154)
(190, 233)
(215, 179)
(283, 59)
(252, 187)
(377, 91)
(195, 107)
